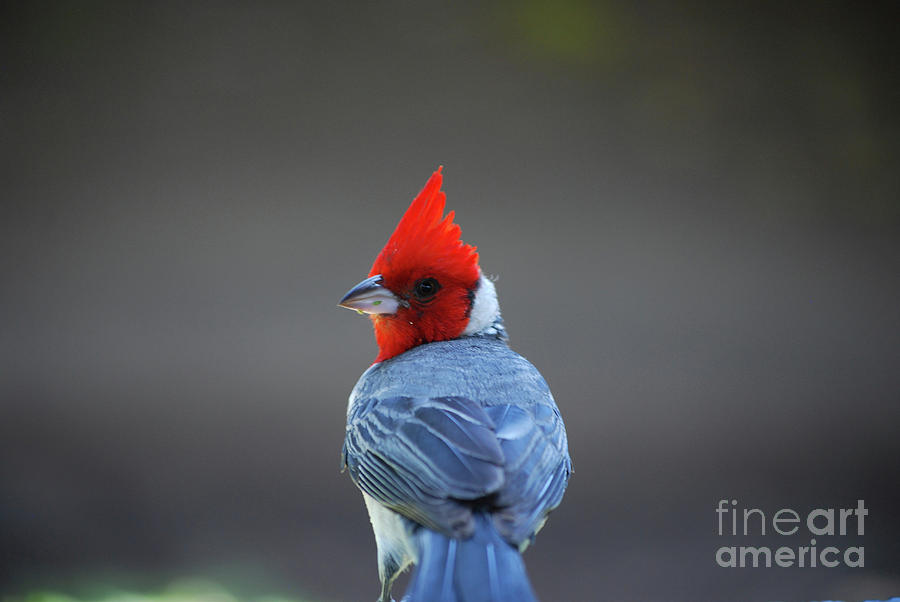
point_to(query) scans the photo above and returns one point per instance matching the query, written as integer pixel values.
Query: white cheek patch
(485, 308)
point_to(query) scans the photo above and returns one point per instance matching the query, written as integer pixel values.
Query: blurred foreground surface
(187, 590)
(692, 209)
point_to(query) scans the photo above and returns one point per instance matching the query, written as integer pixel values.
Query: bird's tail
(483, 568)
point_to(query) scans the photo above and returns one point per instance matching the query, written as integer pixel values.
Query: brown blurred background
(692, 209)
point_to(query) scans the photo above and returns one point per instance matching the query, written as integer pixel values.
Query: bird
(454, 439)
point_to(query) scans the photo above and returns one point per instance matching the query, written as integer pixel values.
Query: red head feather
(425, 244)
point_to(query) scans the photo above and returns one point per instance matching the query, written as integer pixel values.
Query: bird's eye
(426, 287)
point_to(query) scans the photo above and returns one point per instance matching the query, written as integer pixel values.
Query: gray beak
(369, 297)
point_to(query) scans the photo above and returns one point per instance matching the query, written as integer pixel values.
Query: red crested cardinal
(453, 438)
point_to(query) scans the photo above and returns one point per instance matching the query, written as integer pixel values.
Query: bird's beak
(370, 297)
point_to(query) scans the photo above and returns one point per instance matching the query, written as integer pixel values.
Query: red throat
(425, 244)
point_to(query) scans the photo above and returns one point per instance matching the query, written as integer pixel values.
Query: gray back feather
(446, 428)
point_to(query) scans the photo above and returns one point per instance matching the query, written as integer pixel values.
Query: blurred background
(693, 210)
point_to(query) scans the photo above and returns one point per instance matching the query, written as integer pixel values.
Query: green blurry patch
(578, 32)
(187, 590)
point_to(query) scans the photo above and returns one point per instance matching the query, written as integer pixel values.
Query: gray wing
(536, 466)
(422, 456)
(426, 457)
